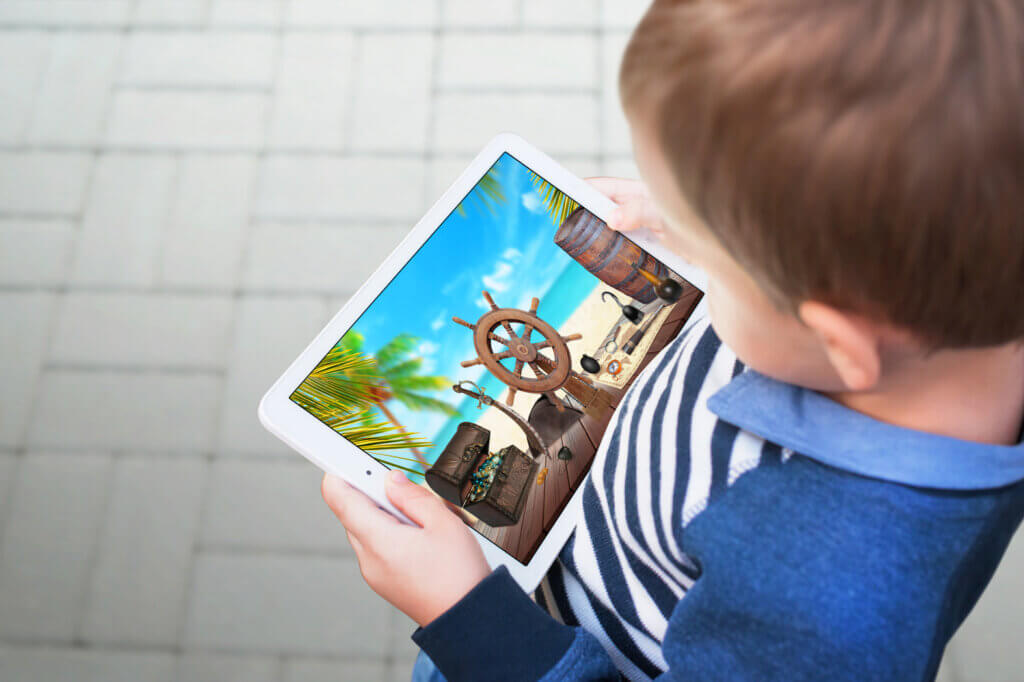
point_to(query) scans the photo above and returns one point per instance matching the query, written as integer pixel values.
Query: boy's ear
(851, 343)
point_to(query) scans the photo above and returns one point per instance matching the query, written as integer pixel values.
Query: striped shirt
(641, 496)
(735, 527)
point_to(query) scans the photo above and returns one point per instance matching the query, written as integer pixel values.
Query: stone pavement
(188, 190)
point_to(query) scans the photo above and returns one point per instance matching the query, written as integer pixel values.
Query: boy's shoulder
(827, 522)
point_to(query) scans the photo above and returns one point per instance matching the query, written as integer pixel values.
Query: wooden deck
(545, 502)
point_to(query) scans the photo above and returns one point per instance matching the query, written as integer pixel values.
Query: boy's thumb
(415, 501)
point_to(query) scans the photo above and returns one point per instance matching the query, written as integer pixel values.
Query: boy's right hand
(636, 208)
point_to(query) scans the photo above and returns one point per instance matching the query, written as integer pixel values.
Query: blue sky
(509, 251)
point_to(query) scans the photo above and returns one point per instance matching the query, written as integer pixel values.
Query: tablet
(485, 356)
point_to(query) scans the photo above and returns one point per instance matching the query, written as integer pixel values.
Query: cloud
(427, 348)
(499, 280)
(531, 202)
(440, 320)
(513, 254)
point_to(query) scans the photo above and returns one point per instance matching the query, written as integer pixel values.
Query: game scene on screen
(488, 368)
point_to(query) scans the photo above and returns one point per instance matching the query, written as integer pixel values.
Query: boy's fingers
(358, 513)
(356, 545)
(635, 214)
(416, 502)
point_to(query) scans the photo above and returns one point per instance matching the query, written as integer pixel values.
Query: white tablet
(485, 356)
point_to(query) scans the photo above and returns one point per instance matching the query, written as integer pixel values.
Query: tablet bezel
(336, 455)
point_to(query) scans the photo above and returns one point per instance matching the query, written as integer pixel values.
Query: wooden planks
(546, 502)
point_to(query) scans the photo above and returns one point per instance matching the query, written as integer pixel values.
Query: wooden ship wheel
(496, 342)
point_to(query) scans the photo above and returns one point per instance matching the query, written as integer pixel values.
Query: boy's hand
(636, 208)
(423, 571)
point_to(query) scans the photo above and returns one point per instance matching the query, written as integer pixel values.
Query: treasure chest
(499, 486)
(492, 486)
(457, 461)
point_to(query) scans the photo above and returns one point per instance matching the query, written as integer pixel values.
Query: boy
(818, 485)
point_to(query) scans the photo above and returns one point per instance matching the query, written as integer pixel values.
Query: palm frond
(395, 350)
(343, 381)
(408, 470)
(421, 383)
(418, 403)
(353, 341)
(487, 192)
(403, 370)
(375, 436)
(558, 204)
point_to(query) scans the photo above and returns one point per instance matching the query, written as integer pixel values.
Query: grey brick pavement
(188, 190)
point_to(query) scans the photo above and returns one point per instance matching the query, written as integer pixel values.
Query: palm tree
(340, 391)
(490, 194)
(401, 380)
(558, 204)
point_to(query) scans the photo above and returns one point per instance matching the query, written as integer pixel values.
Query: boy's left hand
(423, 571)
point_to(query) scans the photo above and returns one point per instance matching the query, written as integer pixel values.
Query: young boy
(818, 484)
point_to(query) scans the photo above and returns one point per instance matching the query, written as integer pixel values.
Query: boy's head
(849, 172)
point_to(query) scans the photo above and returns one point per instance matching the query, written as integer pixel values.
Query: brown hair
(864, 153)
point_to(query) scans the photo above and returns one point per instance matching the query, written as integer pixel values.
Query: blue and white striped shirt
(738, 528)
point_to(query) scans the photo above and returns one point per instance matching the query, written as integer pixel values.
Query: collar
(812, 425)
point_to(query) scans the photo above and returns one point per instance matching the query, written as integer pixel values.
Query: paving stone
(555, 123)
(76, 89)
(442, 172)
(173, 13)
(359, 13)
(114, 409)
(199, 59)
(392, 92)
(615, 137)
(132, 330)
(8, 470)
(521, 60)
(623, 13)
(190, 120)
(479, 13)
(201, 667)
(44, 183)
(986, 647)
(139, 584)
(620, 167)
(321, 187)
(314, 92)
(64, 12)
(246, 13)
(569, 14)
(311, 670)
(294, 605)
(402, 646)
(26, 322)
(946, 672)
(48, 546)
(581, 166)
(273, 505)
(269, 334)
(124, 220)
(24, 56)
(202, 245)
(400, 671)
(35, 252)
(330, 259)
(52, 664)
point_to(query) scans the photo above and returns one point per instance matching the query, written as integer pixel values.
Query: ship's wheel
(508, 340)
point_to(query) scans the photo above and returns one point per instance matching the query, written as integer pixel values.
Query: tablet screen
(489, 366)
